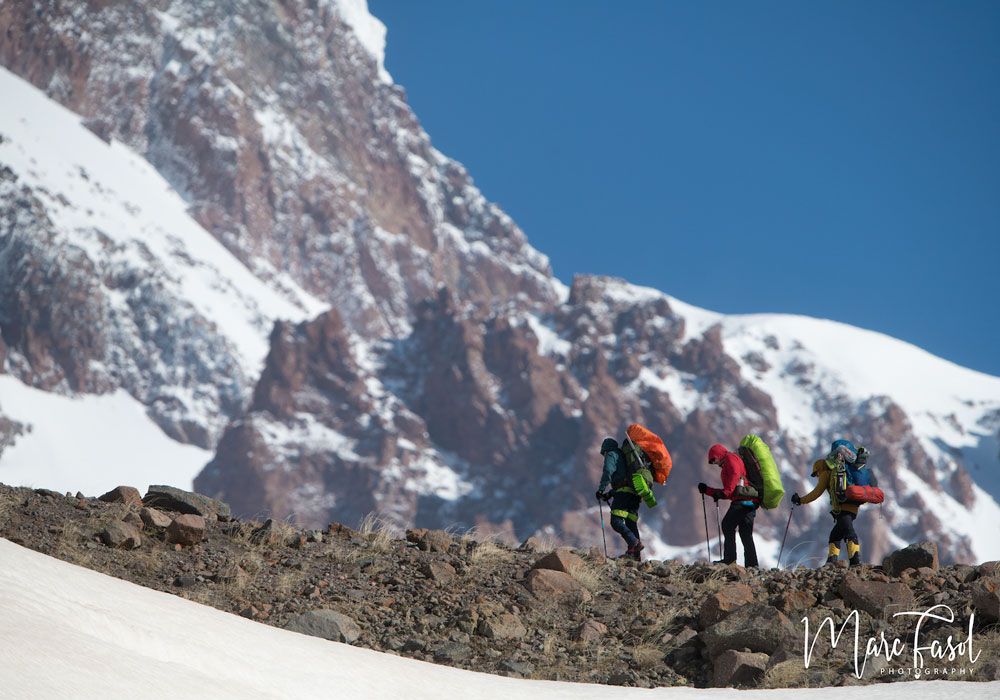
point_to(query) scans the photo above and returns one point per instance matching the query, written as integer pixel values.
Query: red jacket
(734, 473)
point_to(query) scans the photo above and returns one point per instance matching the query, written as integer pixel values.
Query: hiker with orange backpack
(843, 456)
(627, 492)
(735, 487)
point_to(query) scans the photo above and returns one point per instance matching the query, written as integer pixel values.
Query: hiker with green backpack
(630, 487)
(737, 488)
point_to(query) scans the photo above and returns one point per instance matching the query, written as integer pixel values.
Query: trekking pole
(708, 547)
(718, 520)
(786, 534)
(602, 528)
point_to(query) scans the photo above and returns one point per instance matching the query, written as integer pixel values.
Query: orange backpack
(651, 451)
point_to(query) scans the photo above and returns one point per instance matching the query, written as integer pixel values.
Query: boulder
(504, 626)
(550, 585)
(440, 571)
(186, 530)
(452, 653)
(328, 624)
(121, 535)
(170, 498)
(985, 595)
(876, 598)
(914, 556)
(793, 601)
(560, 560)
(123, 494)
(590, 630)
(153, 518)
(718, 605)
(435, 541)
(532, 544)
(759, 628)
(414, 535)
(738, 668)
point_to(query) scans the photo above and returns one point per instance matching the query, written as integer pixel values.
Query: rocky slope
(455, 599)
(254, 191)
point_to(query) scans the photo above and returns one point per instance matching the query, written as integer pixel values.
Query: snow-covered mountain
(226, 222)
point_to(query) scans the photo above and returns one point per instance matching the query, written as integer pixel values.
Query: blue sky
(851, 150)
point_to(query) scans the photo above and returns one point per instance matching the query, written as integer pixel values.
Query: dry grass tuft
(488, 554)
(378, 532)
(787, 674)
(589, 576)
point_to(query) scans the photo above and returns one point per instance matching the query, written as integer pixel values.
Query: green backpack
(762, 472)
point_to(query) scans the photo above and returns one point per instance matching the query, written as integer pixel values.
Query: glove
(702, 488)
(796, 501)
(601, 496)
(717, 495)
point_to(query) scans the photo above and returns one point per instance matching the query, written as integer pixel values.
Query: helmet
(717, 452)
(609, 444)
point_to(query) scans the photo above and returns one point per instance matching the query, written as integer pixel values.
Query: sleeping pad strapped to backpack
(762, 472)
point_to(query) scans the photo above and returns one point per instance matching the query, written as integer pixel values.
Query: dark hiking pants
(625, 516)
(740, 517)
(843, 527)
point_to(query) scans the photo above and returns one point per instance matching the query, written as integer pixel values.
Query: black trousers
(627, 527)
(739, 517)
(843, 527)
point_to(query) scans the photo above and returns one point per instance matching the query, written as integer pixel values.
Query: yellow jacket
(820, 468)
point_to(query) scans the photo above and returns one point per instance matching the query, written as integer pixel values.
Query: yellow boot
(834, 553)
(854, 552)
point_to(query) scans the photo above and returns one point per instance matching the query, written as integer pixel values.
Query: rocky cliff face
(419, 360)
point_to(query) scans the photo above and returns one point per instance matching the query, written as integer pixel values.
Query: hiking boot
(634, 550)
(831, 560)
(856, 560)
(723, 561)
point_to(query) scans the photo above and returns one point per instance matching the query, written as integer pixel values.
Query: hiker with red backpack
(625, 496)
(737, 488)
(841, 473)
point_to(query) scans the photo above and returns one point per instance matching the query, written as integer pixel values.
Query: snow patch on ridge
(90, 443)
(369, 31)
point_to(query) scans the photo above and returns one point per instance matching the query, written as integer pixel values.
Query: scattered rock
(121, 535)
(738, 668)
(914, 556)
(452, 652)
(532, 544)
(560, 560)
(440, 571)
(505, 626)
(793, 601)
(435, 541)
(153, 518)
(170, 498)
(186, 530)
(875, 597)
(759, 628)
(517, 669)
(718, 605)
(415, 534)
(123, 494)
(590, 630)
(550, 585)
(986, 597)
(328, 624)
